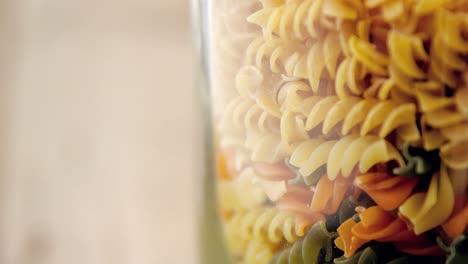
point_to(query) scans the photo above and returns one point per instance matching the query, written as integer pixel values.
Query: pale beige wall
(97, 134)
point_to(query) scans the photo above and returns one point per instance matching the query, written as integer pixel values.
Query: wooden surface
(97, 133)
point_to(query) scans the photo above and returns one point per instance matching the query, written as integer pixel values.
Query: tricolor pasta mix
(341, 130)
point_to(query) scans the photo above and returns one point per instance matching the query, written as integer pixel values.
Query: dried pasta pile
(342, 130)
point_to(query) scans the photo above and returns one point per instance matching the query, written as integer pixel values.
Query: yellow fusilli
(432, 208)
(343, 155)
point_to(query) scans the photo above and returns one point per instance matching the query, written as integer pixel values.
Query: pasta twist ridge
(379, 225)
(310, 248)
(367, 116)
(388, 192)
(449, 47)
(244, 116)
(264, 224)
(300, 20)
(316, 63)
(293, 21)
(432, 208)
(342, 156)
(324, 198)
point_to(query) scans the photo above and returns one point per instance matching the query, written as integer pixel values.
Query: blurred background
(98, 132)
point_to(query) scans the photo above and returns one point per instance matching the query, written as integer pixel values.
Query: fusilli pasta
(366, 116)
(343, 155)
(309, 249)
(342, 129)
(388, 192)
(432, 208)
(267, 224)
(376, 224)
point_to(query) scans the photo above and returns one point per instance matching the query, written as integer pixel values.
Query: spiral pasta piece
(432, 139)
(401, 69)
(318, 62)
(428, 102)
(297, 201)
(275, 226)
(291, 95)
(444, 123)
(322, 58)
(299, 20)
(367, 54)
(450, 47)
(324, 198)
(265, 224)
(328, 194)
(432, 208)
(388, 192)
(309, 249)
(366, 114)
(350, 77)
(405, 51)
(342, 155)
(293, 130)
(294, 21)
(444, 126)
(243, 116)
(246, 125)
(376, 224)
(232, 35)
(345, 241)
(379, 225)
(274, 54)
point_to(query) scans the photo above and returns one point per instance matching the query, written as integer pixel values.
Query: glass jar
(339, 130)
